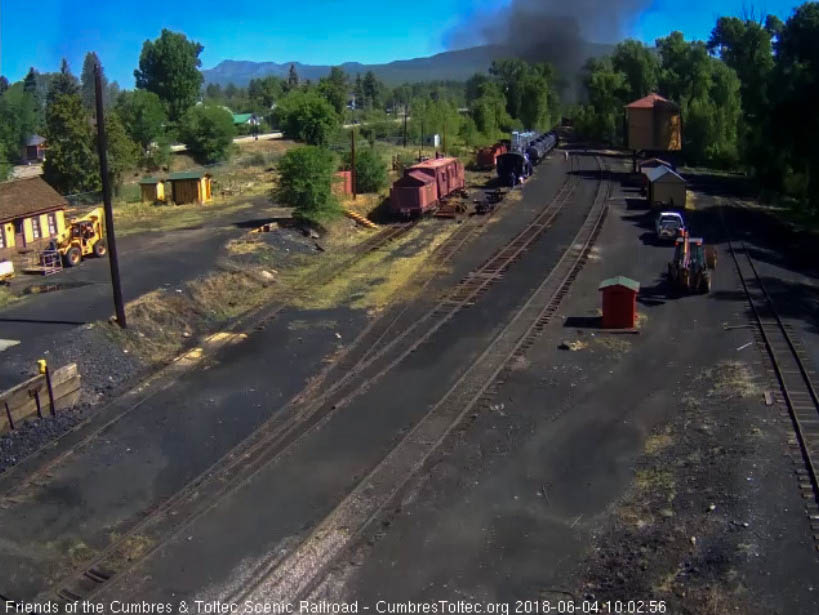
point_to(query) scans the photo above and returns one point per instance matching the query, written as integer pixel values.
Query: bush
(208, 132)
(370, 171)
(305, 183)
(306, 116)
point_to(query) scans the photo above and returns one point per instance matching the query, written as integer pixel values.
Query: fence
(49, 392)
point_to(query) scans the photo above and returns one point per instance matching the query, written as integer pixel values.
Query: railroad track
(272, 439)
(293, 576)
(797, 390)
(322, 276)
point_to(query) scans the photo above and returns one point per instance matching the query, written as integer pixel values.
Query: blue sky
(40, 33)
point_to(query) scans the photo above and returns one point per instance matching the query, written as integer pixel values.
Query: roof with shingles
(35, 140)
(25, 197)
(150, 180)
(620, 280)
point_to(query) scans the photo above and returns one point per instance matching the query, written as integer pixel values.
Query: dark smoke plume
(564, 33)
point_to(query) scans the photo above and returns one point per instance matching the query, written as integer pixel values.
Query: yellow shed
(31, 213)
(654, 124)
(190, 187)
(153, 189)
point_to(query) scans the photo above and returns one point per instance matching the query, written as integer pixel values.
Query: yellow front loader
(82, 237)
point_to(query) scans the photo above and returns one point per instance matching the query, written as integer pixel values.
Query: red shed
(619, 302)
(413, 194)
(447, 172)
(343, 184)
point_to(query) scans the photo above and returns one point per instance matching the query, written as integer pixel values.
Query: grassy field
(249, 173)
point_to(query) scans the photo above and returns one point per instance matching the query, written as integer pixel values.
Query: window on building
(36, 231)
(52, 224)
(2, 236)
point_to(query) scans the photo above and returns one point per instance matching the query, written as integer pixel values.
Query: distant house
(35, 149)
(191, 187)
(245, 119)
(654, 124)
(31, 213)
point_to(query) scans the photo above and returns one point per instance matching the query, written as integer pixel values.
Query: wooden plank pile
(38, 397)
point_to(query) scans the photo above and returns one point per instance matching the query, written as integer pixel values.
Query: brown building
(31, 213)
(654, 124)
(190, 187)
(35, 150)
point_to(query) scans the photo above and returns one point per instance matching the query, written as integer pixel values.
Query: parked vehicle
(689, 270)
(6, 271)
(669, 225)
(82, 237)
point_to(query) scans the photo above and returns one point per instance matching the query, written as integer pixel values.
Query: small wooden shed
(654, 124)
(665, 187)
(343, 183)
(619, 302)
(191, 187)
(152, 190)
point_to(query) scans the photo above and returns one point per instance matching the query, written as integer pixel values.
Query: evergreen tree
(292, 78)
(87, 87)
(4, 85)
(63, 83)
(122, 152)
(71, 165)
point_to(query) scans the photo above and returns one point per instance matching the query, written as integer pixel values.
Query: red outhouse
(619, 302)
(343, 183)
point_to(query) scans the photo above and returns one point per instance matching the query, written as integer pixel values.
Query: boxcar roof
(434, 163)
(414, 178)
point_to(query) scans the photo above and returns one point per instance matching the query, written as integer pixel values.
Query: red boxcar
(425, 184)
(487, 157)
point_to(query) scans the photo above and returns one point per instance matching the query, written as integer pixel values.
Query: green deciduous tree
(306, 116)
(169, 67)
(143, 116)
(795, 92)
(263, 93)
(306, 176)
(370, 170)
(71, 165)
(640, 66)
(208, 132)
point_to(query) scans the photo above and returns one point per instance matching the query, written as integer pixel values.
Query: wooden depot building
(31, 213)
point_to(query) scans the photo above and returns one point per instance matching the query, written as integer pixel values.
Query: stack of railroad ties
(431, 184)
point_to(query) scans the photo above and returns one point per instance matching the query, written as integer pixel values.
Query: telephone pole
(352, 161)
(113, 258)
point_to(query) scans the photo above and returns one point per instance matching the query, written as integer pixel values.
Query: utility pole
(405, 126)
(421, 148)
(113, 259)
(352, 161)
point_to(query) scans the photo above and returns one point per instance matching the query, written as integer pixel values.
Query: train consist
(527, 149)
(487, 157)
(425, 185)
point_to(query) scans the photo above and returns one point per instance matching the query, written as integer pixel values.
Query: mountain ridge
(456, 65)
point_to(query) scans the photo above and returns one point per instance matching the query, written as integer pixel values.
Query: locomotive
(527, 150)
